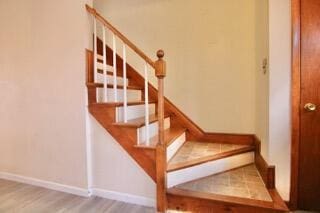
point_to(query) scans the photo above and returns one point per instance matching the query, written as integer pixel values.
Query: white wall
(279, 92)
(114, 170)
(42, 81)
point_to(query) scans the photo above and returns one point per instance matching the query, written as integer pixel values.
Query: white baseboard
(127, 198)
(112, 195)
(45, 184)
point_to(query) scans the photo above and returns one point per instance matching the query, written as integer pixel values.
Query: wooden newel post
(92, 93)
(161, 151)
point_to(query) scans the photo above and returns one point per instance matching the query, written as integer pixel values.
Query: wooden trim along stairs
(153, 157)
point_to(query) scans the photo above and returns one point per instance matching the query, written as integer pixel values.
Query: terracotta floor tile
(237, 183)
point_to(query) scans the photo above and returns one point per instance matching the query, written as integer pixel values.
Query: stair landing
(193, 153)
(244, 182)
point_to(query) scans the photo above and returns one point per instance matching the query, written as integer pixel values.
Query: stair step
(109, 79)
(120, 104)
(244, 182)
(170, 135)
(132, 95)
(110, 73)
(139, 122)
(110, 86)
(196, 160)
(194, 153)
(241, 186)
(100, 66)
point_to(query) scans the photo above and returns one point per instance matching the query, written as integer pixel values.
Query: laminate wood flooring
(22, 198)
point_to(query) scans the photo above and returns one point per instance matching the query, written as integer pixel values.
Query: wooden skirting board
(267, 172)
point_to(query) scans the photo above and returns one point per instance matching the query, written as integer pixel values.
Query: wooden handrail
(120, 35)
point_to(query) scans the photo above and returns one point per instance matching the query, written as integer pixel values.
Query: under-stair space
(194, 170)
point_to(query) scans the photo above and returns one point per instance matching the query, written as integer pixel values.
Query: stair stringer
(126, 137)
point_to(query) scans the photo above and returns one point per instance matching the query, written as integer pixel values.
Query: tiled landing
(192, 150)
(244, 182)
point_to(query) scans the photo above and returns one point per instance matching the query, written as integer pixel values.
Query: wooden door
(309, 148)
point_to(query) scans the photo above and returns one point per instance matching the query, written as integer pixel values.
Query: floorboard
(23, 198)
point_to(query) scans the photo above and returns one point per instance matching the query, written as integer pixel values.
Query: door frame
(296, 101)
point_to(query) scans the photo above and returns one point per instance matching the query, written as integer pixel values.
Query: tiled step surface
(244, 182)
(170, 135)
(193, 152)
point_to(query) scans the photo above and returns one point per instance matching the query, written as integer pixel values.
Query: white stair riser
(132, 95)
(134, 112)
(209, 168)
(100, 65)
(175, 146)
(120, 81)
(153, 130)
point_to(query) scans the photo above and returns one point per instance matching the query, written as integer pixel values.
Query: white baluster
(95, 49)
(105, 83)
(146, 98)
(114, 68)
(95, 57)
(124, 56)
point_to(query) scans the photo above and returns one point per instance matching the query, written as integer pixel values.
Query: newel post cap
(160, 65)
(160, 54)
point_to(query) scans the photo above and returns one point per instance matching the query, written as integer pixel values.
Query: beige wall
(42, 78)
(209, 50)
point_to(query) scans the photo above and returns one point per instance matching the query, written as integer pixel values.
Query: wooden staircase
(175, 153)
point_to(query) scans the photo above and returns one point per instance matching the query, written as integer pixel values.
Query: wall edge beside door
(295, 103)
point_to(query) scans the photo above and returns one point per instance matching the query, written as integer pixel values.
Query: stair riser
(134, 112)
(132, 95)
(175, 146)
(153, 130)
(209, 168)
(100, 66)
(120, 80)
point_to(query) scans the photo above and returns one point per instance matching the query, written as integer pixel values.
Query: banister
(120, 35)
(161, 148)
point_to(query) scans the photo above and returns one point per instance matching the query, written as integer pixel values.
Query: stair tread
(242, 185)
(110, 73)
(193, 153)
(139, 122)
(169, 136)
(110, 86)
(120, 104)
